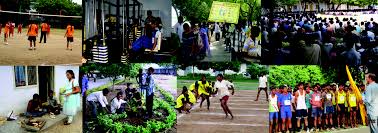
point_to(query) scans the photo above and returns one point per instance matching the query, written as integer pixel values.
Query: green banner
(224, 12)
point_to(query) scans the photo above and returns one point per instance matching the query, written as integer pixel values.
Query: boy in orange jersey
(32, 34)
(44, 30)
(19, 28)
(11, 29)
(69, 35)
(6, 32)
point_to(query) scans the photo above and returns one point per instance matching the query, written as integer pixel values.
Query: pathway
(217, 51)
(250, 116)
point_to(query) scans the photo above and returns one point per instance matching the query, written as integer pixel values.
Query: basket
(41, 123)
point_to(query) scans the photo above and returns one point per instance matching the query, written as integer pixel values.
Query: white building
(190, 69)
(312, 6)
(19, 83)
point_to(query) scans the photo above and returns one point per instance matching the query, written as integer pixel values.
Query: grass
(239, 84)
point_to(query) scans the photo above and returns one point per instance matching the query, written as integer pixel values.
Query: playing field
(53, 52)
(239, 84)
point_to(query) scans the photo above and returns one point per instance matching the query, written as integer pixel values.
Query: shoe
(35, 48)
(333, 129)
(308, 130)
(30, 48)
(6, 43)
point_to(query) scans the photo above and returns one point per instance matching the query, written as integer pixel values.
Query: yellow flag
(358, 95)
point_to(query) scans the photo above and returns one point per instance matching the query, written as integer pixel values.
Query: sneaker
(30, 48)
(333, 129)
(6, 43)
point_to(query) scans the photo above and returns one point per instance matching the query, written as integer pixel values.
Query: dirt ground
(52, 53)
(75, 127)
(249, 116)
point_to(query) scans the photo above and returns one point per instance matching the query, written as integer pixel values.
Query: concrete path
(250, 116)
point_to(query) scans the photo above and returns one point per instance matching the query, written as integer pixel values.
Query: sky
(78, 1)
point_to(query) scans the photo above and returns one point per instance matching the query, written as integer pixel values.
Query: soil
(53, 52)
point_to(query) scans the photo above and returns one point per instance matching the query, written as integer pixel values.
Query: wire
(38, 14)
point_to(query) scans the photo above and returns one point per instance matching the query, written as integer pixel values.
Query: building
(19, 83)
(312, 6)
(190, 70)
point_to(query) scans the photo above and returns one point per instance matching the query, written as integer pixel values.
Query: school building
(212, 72)
(19, 83)
(312, 6)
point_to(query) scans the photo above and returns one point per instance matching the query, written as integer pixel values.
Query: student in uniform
(222, 88)
(284, 101)
(19, 28)
(327, 97)
(11, 29)
(182, 101)
(6, 32)
(69, 34)
(32, 35)
(116, 104)
(352, 104)
(340, 100)
(44, 30)
(203, 86)
(273, 111)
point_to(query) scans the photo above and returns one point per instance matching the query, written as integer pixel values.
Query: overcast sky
(78, 1)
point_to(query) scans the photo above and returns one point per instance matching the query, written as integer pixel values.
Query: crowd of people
(203, 89)
(32, 33)
(313, 39)
(318, 107)
(195, 38)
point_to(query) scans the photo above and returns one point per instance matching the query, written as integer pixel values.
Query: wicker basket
(41, 123)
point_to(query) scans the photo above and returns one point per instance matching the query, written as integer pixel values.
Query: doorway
(45, 81)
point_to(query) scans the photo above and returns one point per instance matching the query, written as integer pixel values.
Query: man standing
(149, 85)
(301, 107)
(44, 30)
(179, 27)
(263, 81)
(316, 107)
(371, 102)
(217, 31)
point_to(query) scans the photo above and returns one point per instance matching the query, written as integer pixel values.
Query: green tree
(293, 74)
(64, 7)
(255, 70)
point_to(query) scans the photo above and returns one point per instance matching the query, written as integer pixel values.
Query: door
(45, 81)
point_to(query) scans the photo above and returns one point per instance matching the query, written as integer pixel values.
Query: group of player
(322, 108)
(9, 30)
(32, 33)
(205, 89)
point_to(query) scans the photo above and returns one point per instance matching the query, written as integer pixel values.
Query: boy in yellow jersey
(182, 101)
(352, 104)
(69, 34)
(202, 86)
(32, 35)
(340, 100)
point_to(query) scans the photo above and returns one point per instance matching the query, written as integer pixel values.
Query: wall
(60, 78)
(19, 97)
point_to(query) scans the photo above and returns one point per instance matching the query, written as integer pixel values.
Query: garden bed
(164, 118)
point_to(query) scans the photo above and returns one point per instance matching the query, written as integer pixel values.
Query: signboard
(224, 12)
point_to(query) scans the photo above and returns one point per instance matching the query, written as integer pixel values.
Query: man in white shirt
(116, 104)
(178, 27)
(222, 87)
(98, 97)
(263, 81)
(217, 31)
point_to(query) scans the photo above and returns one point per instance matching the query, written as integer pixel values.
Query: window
(25, 75)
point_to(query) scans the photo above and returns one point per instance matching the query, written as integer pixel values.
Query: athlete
(222, 88)
(273, 110)
(69, 34)
(301, 107)
(284, 101)
(32, 35)
(340, 100)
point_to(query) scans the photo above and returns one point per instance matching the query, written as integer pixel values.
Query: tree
(293, 74)
(255, 70)
(64, 7)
